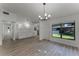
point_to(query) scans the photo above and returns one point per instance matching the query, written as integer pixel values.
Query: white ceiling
(33, 10)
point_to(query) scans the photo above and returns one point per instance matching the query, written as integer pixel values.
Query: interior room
(39, 29)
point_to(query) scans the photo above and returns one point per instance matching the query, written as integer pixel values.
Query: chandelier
(46, 16)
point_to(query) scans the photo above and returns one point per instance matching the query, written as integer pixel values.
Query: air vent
(5, 13)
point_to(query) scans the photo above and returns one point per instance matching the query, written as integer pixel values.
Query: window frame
(61, 30)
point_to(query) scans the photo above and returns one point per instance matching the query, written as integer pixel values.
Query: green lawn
(56, 35)
(63, 36)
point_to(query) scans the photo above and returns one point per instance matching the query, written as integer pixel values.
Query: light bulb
(49, 15)
(45, 14)
(46, 17)
(39, 16)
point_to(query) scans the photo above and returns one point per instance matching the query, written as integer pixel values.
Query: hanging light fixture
(46, 16)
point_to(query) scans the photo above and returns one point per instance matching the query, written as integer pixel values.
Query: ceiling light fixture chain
(44, 8)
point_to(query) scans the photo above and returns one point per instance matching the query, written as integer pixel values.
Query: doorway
(8, 33)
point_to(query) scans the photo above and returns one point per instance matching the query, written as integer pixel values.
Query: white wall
(19, 32)
(1, 30)
(6, 18)
(25, 32)
(46, 29)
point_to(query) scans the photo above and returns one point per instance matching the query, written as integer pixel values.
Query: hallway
(33, 47)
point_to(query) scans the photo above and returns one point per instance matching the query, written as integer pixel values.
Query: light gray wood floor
(34, 47)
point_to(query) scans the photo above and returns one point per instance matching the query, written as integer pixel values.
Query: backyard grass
(63, 36)
(56, 35)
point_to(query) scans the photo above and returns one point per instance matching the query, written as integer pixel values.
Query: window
(68, 30)
(56, 30)
(64, 30)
